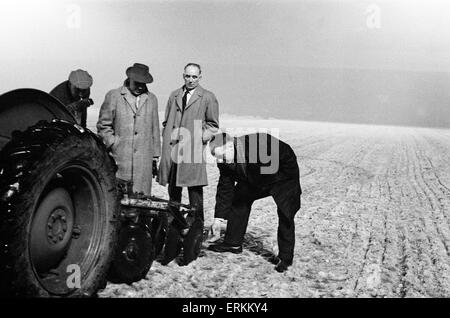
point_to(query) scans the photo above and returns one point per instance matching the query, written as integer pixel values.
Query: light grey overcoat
(132, 134)
(185, 136)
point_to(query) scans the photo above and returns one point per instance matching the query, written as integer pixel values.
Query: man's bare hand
(216, 228)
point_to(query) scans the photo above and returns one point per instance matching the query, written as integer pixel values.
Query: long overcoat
(185, 135)
(133, 135)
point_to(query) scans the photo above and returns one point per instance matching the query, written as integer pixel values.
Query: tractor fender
(22, 108)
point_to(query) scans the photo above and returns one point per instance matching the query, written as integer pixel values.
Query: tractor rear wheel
(59, 217)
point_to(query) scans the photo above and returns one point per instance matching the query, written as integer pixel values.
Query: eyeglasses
(189, 76)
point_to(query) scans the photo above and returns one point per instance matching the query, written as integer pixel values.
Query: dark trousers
(286, 195)
(195, 193)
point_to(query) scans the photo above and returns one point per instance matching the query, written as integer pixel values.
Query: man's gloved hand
(216, 228)
(155, 167)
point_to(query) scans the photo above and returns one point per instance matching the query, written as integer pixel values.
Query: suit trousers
(286, 195)
(195, 193)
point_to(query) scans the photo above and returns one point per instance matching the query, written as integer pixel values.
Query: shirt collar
(125, 91)
(190, 91)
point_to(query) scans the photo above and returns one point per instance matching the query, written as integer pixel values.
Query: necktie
(137, 102)
(184, 100)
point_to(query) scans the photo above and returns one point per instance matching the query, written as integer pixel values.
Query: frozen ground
(374, 221)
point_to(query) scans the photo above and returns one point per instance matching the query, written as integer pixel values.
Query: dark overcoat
(263, 163)
(63, 94)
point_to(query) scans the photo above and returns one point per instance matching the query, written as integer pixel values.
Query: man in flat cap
(129, 126)
(74, 94)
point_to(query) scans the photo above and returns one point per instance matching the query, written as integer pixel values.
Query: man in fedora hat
(191, 119)
(74, 94)
(129, 126)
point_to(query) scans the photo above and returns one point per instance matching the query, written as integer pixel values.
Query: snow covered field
(374, 221)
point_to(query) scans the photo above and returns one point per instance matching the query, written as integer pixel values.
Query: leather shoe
(274, 259)
(224, 247)
(282, 266)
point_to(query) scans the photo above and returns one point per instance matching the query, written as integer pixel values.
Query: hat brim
(141, 78)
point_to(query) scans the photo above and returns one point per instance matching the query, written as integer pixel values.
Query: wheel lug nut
(76, 232)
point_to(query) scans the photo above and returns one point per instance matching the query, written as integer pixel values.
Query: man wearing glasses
(191, 119)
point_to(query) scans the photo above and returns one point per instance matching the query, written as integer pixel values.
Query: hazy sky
(246, 48)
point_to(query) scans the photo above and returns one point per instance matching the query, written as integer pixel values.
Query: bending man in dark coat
(253, 167)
